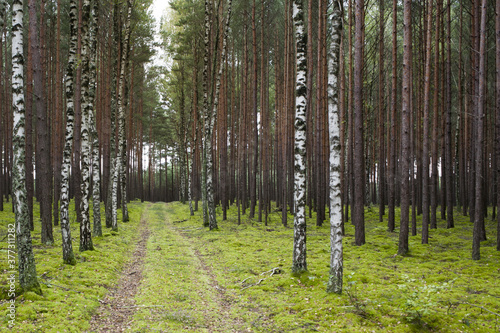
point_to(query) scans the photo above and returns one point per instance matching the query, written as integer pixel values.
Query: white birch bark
(3, 6)
(67, 247)
(206, 118)
(96, 167)
(26, 259)
(122, 144)
(85, 230)
(212, 219)
(190, 183)
(299, 231)
(334, 21)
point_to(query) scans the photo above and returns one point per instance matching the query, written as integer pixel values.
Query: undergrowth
(70, 293)
(238, 278)
(434, 288)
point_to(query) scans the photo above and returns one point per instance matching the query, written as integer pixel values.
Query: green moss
(239, 278)
(70, 293)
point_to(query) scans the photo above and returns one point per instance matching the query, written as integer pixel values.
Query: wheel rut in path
(118, 307)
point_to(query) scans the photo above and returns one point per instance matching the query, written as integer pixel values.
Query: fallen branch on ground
(253, 285)
(481, 307)
(64, 288)
(275, 270)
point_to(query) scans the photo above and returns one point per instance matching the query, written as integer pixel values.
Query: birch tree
(96, 158)
(334, 21)
(67, 247)
(85, 233)
(299, 231)
(122, 144)
(209, 127)
(208, 23)
(27, 269)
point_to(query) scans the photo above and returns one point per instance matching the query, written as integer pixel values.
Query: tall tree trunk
(425, 145)
(2, 126)
(206, 107)
(381, 119)
(254, 131)
(497, 119)
(85, 230)
(392, 158)
(26, 260)
(67, 247)
(434, 170)
(358, 214)
(29, 123)
(43, 174)
(299, 234)
(318, 133)
(96, 158)
(122, 142)
(448, 140)
(334, 24)
(76, 172)
(478, 218)
(405, 131)
(209, 126)
(59, 119)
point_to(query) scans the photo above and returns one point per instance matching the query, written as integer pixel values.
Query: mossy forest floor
(164, 272)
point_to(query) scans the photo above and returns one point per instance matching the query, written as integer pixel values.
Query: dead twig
(253, 285)
(481, 307)
(275, 270)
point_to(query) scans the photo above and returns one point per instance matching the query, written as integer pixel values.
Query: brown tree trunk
(29, 124)
(392, 157)
(381, 119)
(425, 150)
(405, 130)
(497, 114)
(479, 218)
(77, 175)
(448, 138)
(43, 171)
(358, 218)
(58, 124)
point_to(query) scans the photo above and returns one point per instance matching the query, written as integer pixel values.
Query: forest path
(167, 286)
(117, 308)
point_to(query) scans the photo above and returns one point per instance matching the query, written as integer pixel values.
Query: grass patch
(423, 291)
(239, 278)
(70, 293)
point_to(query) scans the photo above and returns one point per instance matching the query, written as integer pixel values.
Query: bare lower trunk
(336, 256)
(67, 247)
(26, 261)
(299, 234)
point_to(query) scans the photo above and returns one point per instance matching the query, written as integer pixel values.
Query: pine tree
(405, 131)
(358, 214)
(478, 217)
